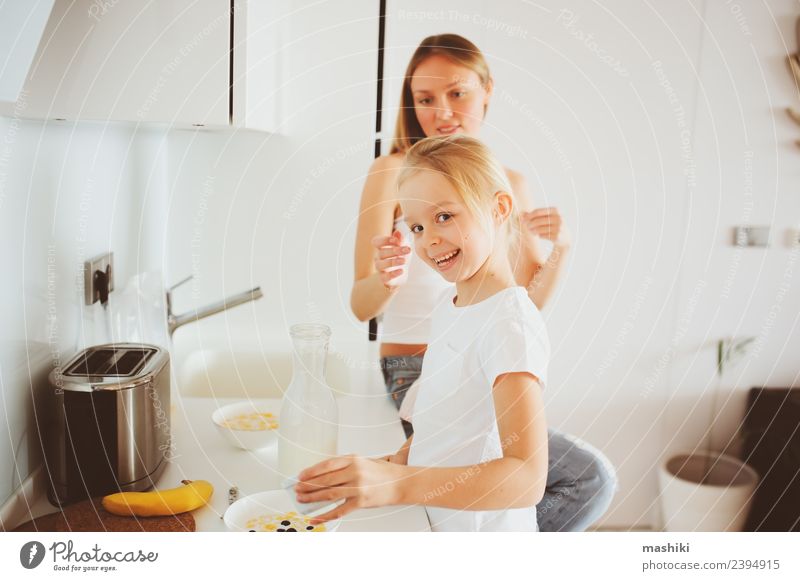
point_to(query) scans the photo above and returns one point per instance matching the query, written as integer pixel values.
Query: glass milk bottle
(309, 418)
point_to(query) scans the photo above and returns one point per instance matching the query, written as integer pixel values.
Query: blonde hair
(472, 170)
(456, 49)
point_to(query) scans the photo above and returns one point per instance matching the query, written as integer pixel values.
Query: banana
(192, 495)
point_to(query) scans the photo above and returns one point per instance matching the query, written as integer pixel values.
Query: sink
(225, 373)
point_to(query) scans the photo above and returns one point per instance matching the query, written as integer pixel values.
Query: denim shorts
(399, 373)
(581, 482)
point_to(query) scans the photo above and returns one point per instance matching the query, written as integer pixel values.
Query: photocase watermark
(66, 558)
(553, 500)
(508, 440)
(487, 22)
(84, 210)
(315, 315)
(690, 166)
(8, 142)
(537, 281)
(100, 8)
(320, 170)
(52, 321)
(94, 559)
(450, 485)
(777, 303)
(197, 233)
(174, 64)
(31, 554)
(738, 15)
(747, 211)
(680, 332)
(397, 362)
(162, 423)
(570, 21)
(527, 111)
(633, 314)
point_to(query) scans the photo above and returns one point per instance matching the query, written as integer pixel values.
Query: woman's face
(447, 237)
(448, 98)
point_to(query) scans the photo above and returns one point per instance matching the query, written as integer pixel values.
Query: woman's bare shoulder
(381, 182)
(382, 178)
(519, 187)
(518, 183)
(387, 163)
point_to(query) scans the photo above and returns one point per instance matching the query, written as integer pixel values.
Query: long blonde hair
(456, 49)
(472, 170)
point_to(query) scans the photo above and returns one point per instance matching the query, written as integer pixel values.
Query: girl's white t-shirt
(452, 408)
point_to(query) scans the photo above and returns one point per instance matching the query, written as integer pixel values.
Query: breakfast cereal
(290, 522)
(251, 422)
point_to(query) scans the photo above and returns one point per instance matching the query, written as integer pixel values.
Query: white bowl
(251, 439)
(272, 505)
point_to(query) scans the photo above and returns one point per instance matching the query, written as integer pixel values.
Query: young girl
(478, 455)
(448, 89)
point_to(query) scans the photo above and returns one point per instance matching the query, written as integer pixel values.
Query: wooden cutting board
(90, 516)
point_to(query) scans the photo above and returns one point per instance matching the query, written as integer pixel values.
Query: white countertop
(369, 426)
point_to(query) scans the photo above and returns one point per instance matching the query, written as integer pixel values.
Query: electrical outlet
(92, 291)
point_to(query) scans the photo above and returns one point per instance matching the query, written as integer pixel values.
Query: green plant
(730, 351)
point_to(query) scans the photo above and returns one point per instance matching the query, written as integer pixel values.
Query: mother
(447, 89)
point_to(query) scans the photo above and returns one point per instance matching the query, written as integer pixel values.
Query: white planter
(720, 503)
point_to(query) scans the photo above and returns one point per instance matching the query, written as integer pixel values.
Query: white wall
(633, 118)
(595, 140)
(747, 163)
(67, 192)
(279, 210)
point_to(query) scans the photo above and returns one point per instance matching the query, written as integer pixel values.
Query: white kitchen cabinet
(128, 61)
(21, 26)
(259, 61)
(158, 62)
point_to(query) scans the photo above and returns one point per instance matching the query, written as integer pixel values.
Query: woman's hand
(548, 224)
(391, 254)
(363, 482)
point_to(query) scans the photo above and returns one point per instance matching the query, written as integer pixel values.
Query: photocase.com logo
(31, 554)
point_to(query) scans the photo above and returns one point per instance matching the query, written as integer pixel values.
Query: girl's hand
(391, 253)
(364, 482)
(548, 224)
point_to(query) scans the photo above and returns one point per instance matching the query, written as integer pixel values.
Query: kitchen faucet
(175, 321)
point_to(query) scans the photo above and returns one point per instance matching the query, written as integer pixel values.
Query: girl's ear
(489, 89)
(503, 205)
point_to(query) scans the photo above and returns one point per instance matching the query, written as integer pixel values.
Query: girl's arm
(540, 277)
(515, 480)
(370, 295)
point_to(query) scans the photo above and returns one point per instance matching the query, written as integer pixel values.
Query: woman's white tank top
(406, 318)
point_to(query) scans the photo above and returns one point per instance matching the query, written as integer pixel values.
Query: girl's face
(448, 98)
(446, 235)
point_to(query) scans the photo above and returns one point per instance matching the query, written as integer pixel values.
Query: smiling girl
(447, 89)
(478, 455)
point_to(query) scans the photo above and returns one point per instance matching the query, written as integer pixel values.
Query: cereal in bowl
(251, 422)
(290, 522)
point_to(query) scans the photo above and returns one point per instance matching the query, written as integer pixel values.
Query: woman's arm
(401, 456)
(540, 277)
(516, 480)
(375, 219)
